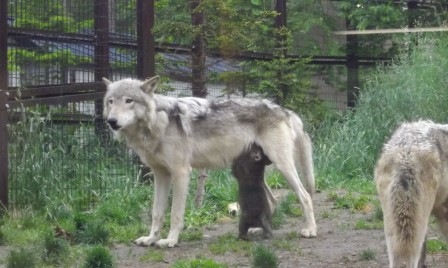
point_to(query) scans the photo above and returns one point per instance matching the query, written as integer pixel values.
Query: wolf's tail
(407, 203)
(303, 154)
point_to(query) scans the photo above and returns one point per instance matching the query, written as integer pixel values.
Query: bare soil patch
(338, 244)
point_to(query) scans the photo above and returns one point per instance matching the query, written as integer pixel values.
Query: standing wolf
(412, 181)
(174, 135)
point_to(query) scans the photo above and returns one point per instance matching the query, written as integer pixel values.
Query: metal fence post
(198, 75)
(145, 39)
(3, 100)
(101, 58)
(352, 68)
(145, 56)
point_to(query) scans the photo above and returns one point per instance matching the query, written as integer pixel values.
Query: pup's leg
(181, 179)
(162, 183)
(243, 228)
(200, 189)
(281, 153)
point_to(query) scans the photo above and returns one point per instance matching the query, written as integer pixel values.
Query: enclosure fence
(54, 144)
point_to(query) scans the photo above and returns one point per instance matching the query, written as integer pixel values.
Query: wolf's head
(129, 101)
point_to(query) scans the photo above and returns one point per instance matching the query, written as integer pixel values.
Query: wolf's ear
(151, 84)
(106, 81)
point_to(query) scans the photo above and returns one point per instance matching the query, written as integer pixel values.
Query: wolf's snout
(113, 123)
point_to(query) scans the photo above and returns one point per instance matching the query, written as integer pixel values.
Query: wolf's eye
(129, 100)
(111, 101)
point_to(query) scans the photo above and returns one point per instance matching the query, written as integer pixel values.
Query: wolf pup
(412, 181)
(173, 135)
(248, 169)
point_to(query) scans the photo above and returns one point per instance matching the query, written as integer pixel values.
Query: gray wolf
(412, 181)
(173, 135)
(248, 168)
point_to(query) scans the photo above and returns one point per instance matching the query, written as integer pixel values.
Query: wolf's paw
(308, 232)
(166, 243)
(145, 241)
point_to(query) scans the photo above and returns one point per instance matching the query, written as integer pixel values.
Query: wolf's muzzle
(113, 123)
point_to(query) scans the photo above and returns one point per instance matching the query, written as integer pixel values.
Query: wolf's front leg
(162, 182)
(180, 191)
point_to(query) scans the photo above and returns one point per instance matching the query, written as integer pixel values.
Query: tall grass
(413, 87)
(49, 161)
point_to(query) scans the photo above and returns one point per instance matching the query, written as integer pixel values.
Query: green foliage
(94, 232)
(154, 255)
(264, 257)
(229, 242)
(62, 162)
(411, 88)
(198, 263)
(436, 246)
(367, 254)
(21, 258)
(98, 257)
(191, 235)
(54, 249)
(369, 224)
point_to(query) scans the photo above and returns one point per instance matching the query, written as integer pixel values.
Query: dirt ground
(338, 244)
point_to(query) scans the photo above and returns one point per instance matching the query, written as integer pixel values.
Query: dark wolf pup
(248, 169)
(412, 181)
(174, 135)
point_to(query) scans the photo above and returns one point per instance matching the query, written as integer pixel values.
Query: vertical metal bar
(281, 47)
(4, 202)
(352, 68)
(101, 57)
(145, 39)
(198, 53)
(145, 56)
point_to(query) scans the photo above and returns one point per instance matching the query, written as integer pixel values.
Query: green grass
(367, 255)
(436, 246)
(98, 257)
(229, 242)
(411, 88)
(153, 255)
(21, 258)
(198, 263)
(264, 257)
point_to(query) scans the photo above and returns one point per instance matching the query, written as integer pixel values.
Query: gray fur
(412, 182)
(174, 135)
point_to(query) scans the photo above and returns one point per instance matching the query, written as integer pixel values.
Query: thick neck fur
(147, 130)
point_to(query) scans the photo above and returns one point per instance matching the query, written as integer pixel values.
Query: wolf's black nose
(113, 123)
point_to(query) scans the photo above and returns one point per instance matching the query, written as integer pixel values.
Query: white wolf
(412, 181)
(173, 135)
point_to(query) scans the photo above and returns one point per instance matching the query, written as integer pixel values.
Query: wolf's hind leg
(281, 153)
